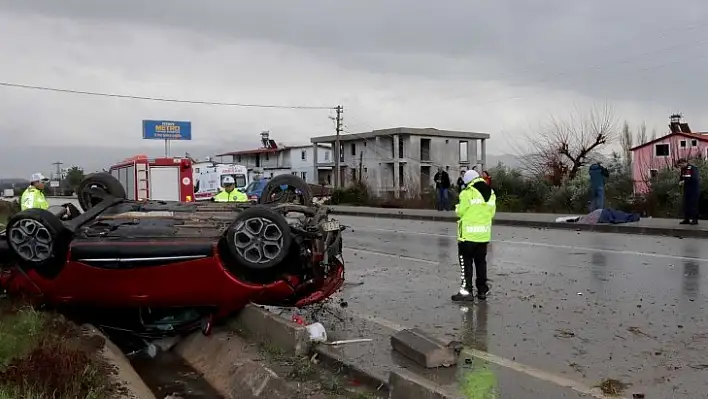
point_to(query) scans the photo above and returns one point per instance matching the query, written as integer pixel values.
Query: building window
(353, 149)
(326, 156)
(303, 175)
(238, 159)
(294, 173)
(464, 154)
(694, 143)
(425, 177)
(425, 149)
(661, 150)
(401, 177)
(653, 173)
(400, 148)
(354, 175)
(682, 143)
(303, 155)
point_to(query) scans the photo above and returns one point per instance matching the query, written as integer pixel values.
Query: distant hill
(509, 160)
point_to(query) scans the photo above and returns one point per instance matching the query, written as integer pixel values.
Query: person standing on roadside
(487, 178)
(33, 196)
(475, 213)
(690, 179)
(460, 181)
(442, 188)
(598, 178)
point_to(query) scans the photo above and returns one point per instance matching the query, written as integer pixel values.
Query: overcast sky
(495, 66)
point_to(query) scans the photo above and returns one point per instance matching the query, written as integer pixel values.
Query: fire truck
(166, 179)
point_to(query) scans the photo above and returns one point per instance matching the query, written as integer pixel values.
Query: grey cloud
(602, 48)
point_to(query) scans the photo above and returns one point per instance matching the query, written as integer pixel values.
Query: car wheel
(259, 238)
(273, 193)
(95, 187)
(38, 239)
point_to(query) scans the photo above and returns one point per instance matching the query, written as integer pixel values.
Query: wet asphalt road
(586, 306)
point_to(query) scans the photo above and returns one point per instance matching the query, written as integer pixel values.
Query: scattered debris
(611, 386)
(699, 366)
(349, 341)
(560, 333)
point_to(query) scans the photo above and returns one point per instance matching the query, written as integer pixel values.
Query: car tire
(295, 182)
(259, 238)
(98, 183)
(39, 240)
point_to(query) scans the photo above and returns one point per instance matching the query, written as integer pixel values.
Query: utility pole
(338, 147)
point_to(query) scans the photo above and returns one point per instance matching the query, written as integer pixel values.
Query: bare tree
(653, 134)
(627, 142)
(642, 134)
(562, 146)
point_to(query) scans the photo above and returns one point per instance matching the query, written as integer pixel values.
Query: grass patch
(43, 356)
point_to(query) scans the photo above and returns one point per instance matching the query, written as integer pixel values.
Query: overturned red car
(180, 265)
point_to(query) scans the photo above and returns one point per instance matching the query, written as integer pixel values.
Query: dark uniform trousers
(473, 254)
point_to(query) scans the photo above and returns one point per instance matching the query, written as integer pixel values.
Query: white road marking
(500, 361)
(545, 245)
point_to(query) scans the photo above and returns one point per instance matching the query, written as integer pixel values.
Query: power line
(160, 99)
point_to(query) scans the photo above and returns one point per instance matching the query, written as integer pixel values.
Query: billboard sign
(167, 130)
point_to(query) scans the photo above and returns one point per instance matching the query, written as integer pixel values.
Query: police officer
(474, 231)
(33, 197)
(229, 193)
(690, 179)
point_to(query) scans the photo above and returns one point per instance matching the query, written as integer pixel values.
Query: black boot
(685, 221)
(694, 221)
(482, 292)
(462, 296)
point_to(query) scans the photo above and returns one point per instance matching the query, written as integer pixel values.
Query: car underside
(177, 266)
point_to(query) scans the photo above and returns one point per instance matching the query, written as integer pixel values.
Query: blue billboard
(167, 130)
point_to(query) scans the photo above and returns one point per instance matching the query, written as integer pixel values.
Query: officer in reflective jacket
(474, 231)
(33, 197)
(690, 179)
(229, 193)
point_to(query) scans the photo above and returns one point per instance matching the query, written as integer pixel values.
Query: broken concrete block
(427, 351)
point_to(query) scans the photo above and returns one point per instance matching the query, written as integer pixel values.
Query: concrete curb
(598, 228)
(126, 374)
(405, 385)
(401, 383)
(223, 359)
(271, 329)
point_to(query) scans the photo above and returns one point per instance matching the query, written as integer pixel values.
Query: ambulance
(209, 176)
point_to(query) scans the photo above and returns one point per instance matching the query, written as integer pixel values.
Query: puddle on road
(168, 376)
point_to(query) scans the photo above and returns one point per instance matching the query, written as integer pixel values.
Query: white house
(274, 160)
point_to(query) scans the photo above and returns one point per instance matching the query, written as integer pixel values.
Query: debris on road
(612, 387)
(349, 341)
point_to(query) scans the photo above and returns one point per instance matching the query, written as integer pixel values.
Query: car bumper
(331, 284)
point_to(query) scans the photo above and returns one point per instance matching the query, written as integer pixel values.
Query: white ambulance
(208, 178)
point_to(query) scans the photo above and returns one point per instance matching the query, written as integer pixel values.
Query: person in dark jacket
(442, 188)
(461, 182)
(690, 179)
(598, 178)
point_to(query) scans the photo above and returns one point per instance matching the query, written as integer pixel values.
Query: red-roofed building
(661, 153)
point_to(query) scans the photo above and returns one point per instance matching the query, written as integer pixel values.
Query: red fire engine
(166, 179)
